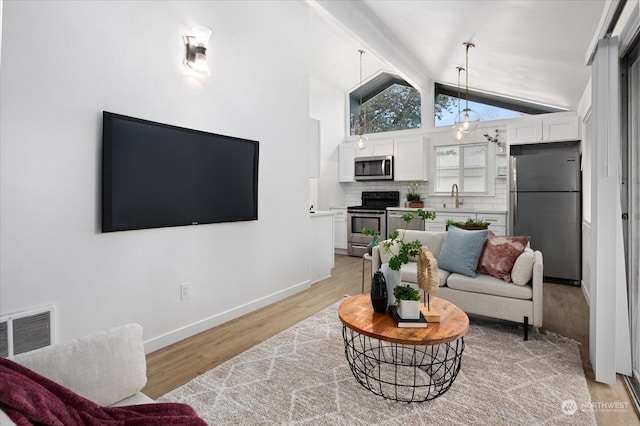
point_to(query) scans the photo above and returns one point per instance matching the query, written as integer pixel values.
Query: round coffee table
(403, 364)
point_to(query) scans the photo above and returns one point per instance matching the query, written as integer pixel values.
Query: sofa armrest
(537, 283)
(104, 367)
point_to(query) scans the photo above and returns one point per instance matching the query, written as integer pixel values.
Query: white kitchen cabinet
(543, 128)
(346, 168)
(340, 228)
(376, 147)
(497, 222)
(410, 160)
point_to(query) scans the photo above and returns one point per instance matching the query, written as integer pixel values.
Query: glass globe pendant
(467, 119)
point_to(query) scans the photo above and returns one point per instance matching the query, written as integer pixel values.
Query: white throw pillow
(522, 270)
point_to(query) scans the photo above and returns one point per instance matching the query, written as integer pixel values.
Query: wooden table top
(357, 313)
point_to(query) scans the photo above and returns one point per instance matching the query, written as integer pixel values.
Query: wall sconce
(196, 57)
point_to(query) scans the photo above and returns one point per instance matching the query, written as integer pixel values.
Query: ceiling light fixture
(458, 134)
(467, 119)
(196, 57)
(360, 122)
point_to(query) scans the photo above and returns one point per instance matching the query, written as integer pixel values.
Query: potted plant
(501, 146)
(470, 224)
(413, 196)
(407, 301)
(400, 250)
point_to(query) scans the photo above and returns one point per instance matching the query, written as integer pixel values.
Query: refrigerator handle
(514, 189)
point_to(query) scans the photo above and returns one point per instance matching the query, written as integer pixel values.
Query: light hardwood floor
(565, 312)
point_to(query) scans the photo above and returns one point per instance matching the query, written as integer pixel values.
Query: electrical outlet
(185, 290)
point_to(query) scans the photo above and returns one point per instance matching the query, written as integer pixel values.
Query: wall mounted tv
(156, 175)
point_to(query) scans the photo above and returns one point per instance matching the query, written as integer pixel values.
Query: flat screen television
(156, 175)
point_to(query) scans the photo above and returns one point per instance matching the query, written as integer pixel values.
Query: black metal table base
(402, 373)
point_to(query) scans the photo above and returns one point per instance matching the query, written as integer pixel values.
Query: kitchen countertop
(449, 210)
(319, 213)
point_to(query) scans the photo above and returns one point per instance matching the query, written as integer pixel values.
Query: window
(488, 107)
(388, 103)
(464, 165)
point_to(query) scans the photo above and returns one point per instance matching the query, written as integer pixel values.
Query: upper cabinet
(410, 157)
(543, 128)
(376, 147)
(346, 168)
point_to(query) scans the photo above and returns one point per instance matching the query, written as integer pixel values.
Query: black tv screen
(156, 175)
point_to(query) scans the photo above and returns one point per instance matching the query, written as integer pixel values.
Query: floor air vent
(26, 331)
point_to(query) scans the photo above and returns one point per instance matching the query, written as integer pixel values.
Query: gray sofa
(108, 368)
(484, 294)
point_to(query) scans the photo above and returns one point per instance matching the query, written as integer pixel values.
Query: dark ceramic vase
(379, 293)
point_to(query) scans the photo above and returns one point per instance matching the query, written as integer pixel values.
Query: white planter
(393, 279)
(409, 309)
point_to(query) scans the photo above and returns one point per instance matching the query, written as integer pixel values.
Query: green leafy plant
(495, 139)
(395, 245)
(372, 233)
(470, 223)
(406, 292)
(412, 191)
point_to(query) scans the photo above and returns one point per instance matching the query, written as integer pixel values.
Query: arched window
(388, 103)
(488, 107)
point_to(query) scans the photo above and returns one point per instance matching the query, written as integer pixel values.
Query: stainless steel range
(372, 214)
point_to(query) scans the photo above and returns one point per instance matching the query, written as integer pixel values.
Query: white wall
(63, 63)
(327, 104)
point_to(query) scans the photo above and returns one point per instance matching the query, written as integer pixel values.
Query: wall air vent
(26, 330)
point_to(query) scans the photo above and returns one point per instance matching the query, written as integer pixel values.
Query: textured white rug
(301, 376)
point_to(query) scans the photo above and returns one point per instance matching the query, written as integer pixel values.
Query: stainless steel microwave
(379, 167)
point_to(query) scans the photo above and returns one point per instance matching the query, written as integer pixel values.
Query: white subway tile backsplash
(498, 202)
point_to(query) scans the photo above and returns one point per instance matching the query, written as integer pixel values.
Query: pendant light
(361, 123)
(457, 132)
(467, 119)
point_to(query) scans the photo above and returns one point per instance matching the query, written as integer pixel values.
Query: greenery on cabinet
(406, 292)
(502, 146)
(468, 224)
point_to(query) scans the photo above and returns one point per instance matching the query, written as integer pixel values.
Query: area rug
(301, 377)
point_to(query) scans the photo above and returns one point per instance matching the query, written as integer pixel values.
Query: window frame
(490, 169)
(371, 88)
(493, 100)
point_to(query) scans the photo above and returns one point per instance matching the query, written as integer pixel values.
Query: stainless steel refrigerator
(545, 203)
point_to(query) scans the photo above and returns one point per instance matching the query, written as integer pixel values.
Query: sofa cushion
(461, 250)
(409, 274)
(432, 240)
(486, 284)
(114, 358)
(499, 255)
(522, 270)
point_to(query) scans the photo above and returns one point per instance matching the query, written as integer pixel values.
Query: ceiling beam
(361, 24)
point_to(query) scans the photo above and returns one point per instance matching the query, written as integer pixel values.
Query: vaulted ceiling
(532, 50)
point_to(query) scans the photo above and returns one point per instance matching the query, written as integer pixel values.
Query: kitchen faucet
(454, 191)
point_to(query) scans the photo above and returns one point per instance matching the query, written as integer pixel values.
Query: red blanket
(29, 398)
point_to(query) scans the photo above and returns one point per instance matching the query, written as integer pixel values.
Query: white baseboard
(192, 329)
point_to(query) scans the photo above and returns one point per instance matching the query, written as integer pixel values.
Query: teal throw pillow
(461, 251)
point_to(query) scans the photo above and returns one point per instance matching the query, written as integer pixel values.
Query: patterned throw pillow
(499, 255)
